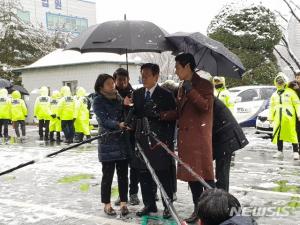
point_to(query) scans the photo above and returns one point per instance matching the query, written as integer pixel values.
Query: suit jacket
(164, 100)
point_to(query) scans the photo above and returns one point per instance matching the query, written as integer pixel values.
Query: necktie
(147, 97)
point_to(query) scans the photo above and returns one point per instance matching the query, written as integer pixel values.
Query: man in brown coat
(195, 121)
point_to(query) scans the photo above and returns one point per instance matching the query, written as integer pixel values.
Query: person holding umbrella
(195, 121)
(113, 151)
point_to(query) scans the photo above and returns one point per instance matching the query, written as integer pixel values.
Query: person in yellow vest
(42, 112)
(283, 113)
(5, 114)
(222, 93)
(18, 113)
(82, 123)
(67, 113)
(55, 123)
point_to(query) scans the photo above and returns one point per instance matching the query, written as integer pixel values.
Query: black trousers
(68, 129)
(222, 172)
(17, 124)
(108, 170)
(4, 124)
(197, 188)
(148, 186)
(280, 145)
(44, 124)
(134, 178)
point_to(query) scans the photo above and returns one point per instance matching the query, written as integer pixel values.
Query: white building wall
(85, 74)
(73, 8)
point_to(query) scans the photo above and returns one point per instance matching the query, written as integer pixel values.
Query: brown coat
(195, 121)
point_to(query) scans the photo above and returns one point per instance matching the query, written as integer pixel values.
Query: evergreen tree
(251, 33)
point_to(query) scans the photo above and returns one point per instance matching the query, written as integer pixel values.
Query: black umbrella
(210, 55)
(122, 37)
(5, 83)
(19, 88)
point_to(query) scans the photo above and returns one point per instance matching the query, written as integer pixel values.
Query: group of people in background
(189, 115)
(12, 109)
(63, 112)
(56, 113)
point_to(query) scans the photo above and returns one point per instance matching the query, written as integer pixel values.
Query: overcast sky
(173, 15)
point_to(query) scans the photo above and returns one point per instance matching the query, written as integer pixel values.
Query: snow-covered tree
(251, 33)
(21, 43)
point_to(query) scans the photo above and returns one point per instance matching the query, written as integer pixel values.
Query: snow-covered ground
(66, 189)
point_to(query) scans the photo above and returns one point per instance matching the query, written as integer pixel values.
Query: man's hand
(128, 101)
(123, 126)
(53, 116)
(187, 85)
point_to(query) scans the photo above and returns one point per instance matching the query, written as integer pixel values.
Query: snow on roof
(60, 57)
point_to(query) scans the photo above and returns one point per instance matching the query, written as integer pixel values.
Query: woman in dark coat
(113, 149)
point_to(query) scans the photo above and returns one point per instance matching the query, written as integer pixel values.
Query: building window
(72, 84)
(66, 23)
(58, 4)
(45, 3)
(24, 16)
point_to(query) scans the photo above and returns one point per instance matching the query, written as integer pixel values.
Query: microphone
(138, 129)
(146, 129)
(129, 116)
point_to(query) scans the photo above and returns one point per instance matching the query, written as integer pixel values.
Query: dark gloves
(151, 110)
(74, 119)
(187, 85)
(91, 116)
(58, 117)
(53, 116)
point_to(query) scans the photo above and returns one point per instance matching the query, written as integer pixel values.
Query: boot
(58, 137)
(194, 217)
(52, 136)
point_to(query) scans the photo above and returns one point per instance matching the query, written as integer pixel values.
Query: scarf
(110, 96)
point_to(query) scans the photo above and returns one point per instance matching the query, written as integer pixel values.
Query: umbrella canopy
(5, 83)
(122, 36)
(19, 88)
(210, 55)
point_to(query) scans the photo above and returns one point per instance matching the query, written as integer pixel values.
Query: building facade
(73, 69)
(59, 15)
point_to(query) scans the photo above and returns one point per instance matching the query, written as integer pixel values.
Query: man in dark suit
(148, 102)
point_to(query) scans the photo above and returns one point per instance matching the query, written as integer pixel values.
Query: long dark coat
(164, 100)
(228, 136)
(195, 121)
(109, 114)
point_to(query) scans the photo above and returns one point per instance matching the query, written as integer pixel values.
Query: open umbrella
(19, 88)
(210, 55)
(122, 37)
(5, 83)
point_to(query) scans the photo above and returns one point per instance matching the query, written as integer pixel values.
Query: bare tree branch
(292, 11)
(285, 60)
(297, 6)
(280, 14)
(292, 55)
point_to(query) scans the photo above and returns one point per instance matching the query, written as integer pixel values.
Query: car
(249, 101)
(263, 125)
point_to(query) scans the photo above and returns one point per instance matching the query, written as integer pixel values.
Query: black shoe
(192, 219)
(166, 214)
(146, 210)
(134, 199)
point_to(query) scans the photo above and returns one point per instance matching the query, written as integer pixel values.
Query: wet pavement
(66, 190)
